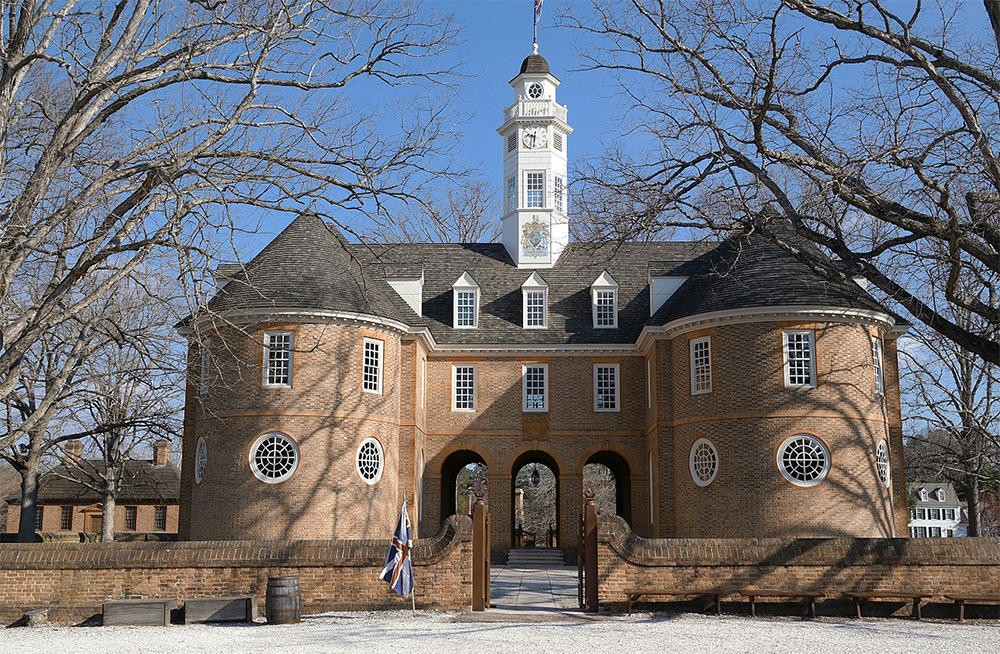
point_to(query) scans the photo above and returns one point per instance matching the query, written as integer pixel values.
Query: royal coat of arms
(535, 238)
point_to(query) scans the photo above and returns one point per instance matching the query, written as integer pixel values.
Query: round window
(534, 90)
(200, 460)
(370, 461)
(274, 458)
(803, 460)
(704, 462)
(882, 462)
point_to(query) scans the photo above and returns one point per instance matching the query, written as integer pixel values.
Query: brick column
(570, 505)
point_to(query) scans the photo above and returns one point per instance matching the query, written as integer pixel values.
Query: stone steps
(535, 557)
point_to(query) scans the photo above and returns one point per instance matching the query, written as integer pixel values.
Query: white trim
(524, 388)
(604, 283)
(692, 368)
(267, 353)
(423, 383)
(878, 363)
(883, 445)
(702, 483)
(544, 292)
(381, 359)
(253, 450)
(811, 333)
(618, 385)
(784, 473)
(381, 461)
(465, 284)
(454, 387)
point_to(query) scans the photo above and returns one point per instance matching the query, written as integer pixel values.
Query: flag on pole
(398, 570)
(538, 10)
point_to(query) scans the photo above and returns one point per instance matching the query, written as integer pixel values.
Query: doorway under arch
(537, 470)
(472, 467)
(622, 479)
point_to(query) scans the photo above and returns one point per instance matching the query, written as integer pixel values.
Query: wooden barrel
(283, 604)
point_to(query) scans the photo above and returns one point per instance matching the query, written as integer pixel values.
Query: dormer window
(923, 494)
(466, 302)
(535, 293)
(604, 301)
(939, 494)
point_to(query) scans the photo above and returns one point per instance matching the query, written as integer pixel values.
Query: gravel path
(432, 632)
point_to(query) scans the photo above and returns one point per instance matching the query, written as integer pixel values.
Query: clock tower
(534, 139)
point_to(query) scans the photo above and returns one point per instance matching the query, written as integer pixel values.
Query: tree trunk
(974, 506)
(108, 529)
(29, 495)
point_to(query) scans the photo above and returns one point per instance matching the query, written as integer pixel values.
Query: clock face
(534, 137)
(534, 90)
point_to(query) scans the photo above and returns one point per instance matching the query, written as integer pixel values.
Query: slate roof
(950, 495)
(534, 63)
(311, 266)
(145, 484)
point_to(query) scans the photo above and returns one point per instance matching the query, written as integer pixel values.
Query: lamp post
(535, 476)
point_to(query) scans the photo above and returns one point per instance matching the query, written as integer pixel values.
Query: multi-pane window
(935, 514)
(606, 308)
(130, 518)
(877, 362)
(278, 359)
(934, 532)
(949, 514)
(465, 308)
(557, 140)
(535, 190)
(534, 308)
(511, 193)
(535, 388)
(921, 514)
(606, 387)
(559, 192)
(463, 388)
(206, 362)
(66, 518)
(39, 517)
(371, 369)
(800, 365)
(701, 365)
(160, 518)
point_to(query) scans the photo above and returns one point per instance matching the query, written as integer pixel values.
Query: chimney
(161, 452)
(72, 452)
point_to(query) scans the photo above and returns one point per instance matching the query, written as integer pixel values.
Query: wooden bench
(860, 598)
(806, 595)
(139, 612)
(717, 594)
(962, 600)
(218, 609)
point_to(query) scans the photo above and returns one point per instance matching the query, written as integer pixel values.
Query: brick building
(731, 392)
(67, 503)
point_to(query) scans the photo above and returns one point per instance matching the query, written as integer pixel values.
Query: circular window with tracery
(535, 90)
(882, 462)
(704, 462)
(803, 460)
(200, 460)
(274, 458)
(370, 461)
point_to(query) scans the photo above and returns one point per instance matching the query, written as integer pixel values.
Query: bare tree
(872, 134)
(955, 396)
(466, 213)
(135, 135)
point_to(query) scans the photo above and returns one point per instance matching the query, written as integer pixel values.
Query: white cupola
(534, 142)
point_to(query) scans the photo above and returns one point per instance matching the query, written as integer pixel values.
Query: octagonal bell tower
(534, 141)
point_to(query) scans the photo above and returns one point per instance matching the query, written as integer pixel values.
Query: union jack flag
(398, 570)
(538, 10)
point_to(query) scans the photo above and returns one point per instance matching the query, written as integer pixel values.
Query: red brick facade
(746, 416)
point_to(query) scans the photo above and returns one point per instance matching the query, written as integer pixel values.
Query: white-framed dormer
(534, 302)
(939, 494)
(604, 302)
(923, 494)
(465, 302)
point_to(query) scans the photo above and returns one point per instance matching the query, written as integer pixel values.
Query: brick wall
(833, 566)
(52, 518)
(75, 579)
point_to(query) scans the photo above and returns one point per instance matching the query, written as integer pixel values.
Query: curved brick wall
(327, 415)
(750, 412)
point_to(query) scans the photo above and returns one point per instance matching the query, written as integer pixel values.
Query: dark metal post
(589, 546)
(480, 554)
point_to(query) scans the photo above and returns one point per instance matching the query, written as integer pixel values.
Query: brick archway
(523, 459)
(450, 467)
(622, 473)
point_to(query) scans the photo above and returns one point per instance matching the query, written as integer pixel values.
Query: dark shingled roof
(145, 483)
(309, 265)
(534, 63)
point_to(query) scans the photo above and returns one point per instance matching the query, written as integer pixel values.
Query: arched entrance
(463, 468)
(612, 479)
(536, 475)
